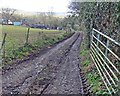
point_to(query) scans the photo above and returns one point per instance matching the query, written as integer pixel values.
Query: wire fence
(104, 52)
(12, 41)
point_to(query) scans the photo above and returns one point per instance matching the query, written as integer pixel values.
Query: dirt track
(55, 72)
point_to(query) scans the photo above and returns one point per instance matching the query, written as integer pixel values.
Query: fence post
(27, 37)
(92, 38)
(39, 34)
(13, 49)
(106, 50)
(42, 35)
(98, 37)
(2, 49)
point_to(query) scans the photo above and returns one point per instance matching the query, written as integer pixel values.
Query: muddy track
(55, 72)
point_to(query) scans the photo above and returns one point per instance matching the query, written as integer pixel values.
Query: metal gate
(101, 53)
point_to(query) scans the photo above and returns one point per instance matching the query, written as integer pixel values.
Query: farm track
(55, 72)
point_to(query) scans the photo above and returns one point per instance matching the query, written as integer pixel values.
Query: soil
(56, 71)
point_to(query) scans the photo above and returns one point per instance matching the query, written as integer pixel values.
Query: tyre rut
(68, 79)
(49, 73)
(22, 76)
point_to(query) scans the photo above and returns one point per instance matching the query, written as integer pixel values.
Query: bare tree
(7, 13)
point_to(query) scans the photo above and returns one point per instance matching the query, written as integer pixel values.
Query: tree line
(46, 18)
(103, 16)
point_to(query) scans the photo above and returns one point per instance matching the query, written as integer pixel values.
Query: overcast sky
(36, 5)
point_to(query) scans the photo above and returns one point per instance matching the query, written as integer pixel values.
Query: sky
(37, 5)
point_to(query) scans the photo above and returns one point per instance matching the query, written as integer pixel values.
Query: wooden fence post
(42, 35)
(27, 37)
(2, 49)
(39, 34)
(13, 49)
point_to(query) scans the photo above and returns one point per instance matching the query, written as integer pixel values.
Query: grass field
(16, 38)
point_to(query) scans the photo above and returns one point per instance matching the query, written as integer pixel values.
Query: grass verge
(27, 49)
(90, 70)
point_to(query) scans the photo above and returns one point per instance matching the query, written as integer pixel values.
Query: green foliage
(84, 52)
(86, 62)
(90, 71)
(103, 16)
(20, 52)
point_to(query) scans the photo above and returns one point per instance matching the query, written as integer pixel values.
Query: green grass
(90, 70)
(16, 37)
